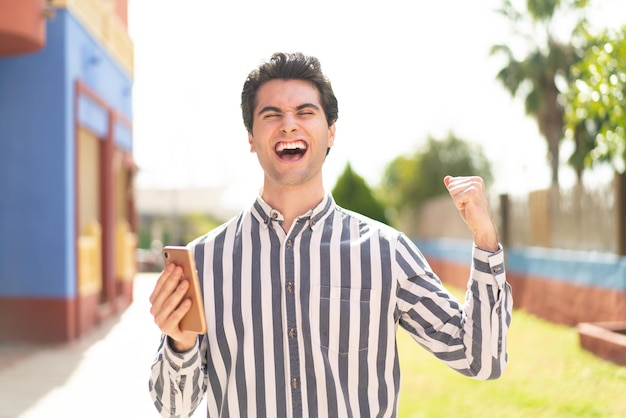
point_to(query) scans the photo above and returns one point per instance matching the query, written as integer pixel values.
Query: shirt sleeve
(470, 337)
(177, 380)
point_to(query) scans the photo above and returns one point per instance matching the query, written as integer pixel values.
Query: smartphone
(194, 320)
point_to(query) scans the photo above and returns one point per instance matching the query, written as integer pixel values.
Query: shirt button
(496, 269)
(294, 383)
(274, 215)
(498, 310)
(289, 243)
(289, 287)
(292, 333)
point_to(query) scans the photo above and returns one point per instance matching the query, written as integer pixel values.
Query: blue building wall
(37, 154)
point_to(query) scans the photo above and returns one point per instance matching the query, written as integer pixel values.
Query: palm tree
(539, 72)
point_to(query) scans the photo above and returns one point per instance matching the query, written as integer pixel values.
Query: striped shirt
(303, 323)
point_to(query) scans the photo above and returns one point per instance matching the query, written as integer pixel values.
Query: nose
(288, 122)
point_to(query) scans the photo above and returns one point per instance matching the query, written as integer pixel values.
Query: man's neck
(292, 202)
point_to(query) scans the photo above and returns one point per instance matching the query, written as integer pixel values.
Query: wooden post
(620, 212)
(505, 214)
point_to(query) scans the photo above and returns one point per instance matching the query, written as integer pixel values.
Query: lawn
(548, 375)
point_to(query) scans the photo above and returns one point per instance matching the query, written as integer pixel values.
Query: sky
(401, 70)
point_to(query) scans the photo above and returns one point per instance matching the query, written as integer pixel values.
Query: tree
(540, 72)
(596, 107)
(352, 192)
(410, 181)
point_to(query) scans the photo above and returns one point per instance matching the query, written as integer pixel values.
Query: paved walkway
(104, 374)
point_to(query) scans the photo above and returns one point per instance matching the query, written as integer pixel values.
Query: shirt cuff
(177, 359)
(489, 266)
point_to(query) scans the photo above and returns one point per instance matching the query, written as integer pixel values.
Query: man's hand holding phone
(169, 308)
(176, 300)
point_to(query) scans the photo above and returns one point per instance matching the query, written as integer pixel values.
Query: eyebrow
(298, 108)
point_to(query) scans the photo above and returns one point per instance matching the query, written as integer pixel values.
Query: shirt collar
(266, 214)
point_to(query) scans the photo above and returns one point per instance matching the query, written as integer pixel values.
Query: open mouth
(291, 151)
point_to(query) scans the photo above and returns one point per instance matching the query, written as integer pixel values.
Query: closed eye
(269, 112)
(307, 109)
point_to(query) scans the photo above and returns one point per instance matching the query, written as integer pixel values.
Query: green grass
(548, 375)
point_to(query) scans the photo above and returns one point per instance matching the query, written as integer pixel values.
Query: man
(303, 298)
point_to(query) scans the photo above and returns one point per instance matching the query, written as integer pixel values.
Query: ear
(331, 135)
(251, 142)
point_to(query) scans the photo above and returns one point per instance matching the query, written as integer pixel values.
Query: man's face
(290, 134)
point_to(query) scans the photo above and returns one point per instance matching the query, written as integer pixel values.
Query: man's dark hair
(288, 66)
